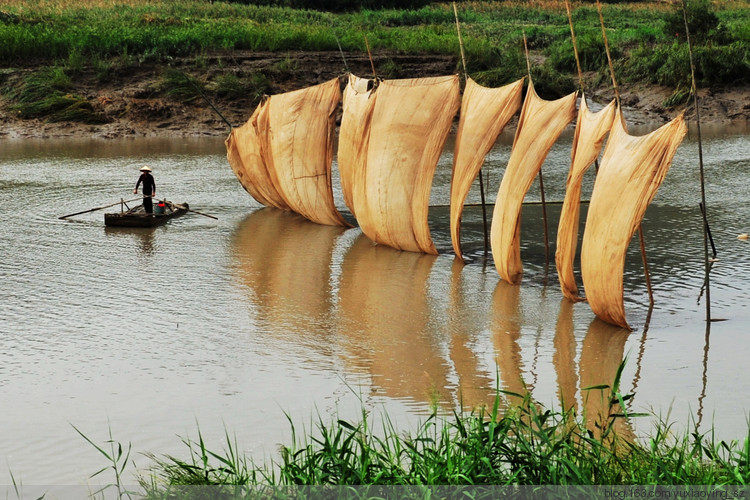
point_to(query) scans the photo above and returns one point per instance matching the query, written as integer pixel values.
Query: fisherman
(149, 188)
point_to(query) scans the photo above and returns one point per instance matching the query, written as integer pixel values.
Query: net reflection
(564, 357)
(286, 261)
(506, 330)
(466, 324)
(413, 326)
(385, 313)
(601, 356)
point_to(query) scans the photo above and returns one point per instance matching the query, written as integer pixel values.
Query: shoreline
(134, 103)
(725, 110)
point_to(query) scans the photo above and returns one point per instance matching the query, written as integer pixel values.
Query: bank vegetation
(52, 50)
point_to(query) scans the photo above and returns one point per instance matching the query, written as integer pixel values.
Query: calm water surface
(226, 325)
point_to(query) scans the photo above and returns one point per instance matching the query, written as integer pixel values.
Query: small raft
(137, 216)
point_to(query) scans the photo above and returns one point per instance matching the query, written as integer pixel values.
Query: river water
(226, 326)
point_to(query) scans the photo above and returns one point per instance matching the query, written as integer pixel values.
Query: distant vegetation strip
(647, 38)
(59, 29)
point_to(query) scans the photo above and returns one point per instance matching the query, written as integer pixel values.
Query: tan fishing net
(540, 124)
(245, 158)
(631, 171)
(410, 122)
(357, 104)
(292, 136)
(486, 111)
(591, 129)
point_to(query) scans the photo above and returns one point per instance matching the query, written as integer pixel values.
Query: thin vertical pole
(341, 51)
(541, 179)
(369, 54)
(544, 218)
(694, 89)
(481, 181)
(609, 57)
(575, 45)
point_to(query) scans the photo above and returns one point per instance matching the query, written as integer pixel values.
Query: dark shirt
(149, 184)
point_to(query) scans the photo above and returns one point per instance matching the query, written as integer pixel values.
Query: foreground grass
(525, 445)
(530, 446)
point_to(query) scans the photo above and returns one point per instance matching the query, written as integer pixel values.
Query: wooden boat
(137, 216)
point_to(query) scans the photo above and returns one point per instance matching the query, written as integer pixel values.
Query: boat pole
(97, 208)
(541, 179)
(575, 45)
(706, 233)
(481, 181)
(641, 239)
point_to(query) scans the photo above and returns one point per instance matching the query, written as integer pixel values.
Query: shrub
(701, 21)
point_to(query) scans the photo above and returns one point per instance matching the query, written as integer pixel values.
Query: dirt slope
(133, 104)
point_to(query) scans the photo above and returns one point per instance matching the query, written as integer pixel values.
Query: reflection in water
(384, 311)
(564, 358)
(506, 330)
(286, 261)
(143, 235)
(704, 375)
(476, 388)
(601, 356)
(375, 307)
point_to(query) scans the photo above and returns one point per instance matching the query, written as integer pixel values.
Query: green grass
(645, 39)
(47, 94)
(526, 445)
(529, 445)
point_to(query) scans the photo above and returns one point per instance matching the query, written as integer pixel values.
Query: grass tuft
(46, 94)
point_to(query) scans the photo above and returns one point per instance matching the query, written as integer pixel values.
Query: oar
(191, 210)
(98, 208)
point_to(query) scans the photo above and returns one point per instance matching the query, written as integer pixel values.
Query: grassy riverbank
(525, 444)
(60, 54)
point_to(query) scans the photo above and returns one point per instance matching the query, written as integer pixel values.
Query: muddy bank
(133, 102)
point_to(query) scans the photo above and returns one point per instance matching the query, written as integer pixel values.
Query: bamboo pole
(175, 205)
(341, 51)
(97, 208)
(481, 181)
(609, 56)
(706, 233)
(200, 91)
(369, 54)
(541, 178)
(575, 45)
(641, 238)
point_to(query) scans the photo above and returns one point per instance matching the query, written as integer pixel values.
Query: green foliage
(390, 69)
(233, 86)
(340, 5)
(46, 94)
(528, 445)
(105, 40)
(229, 85)
(722, 65)
(670, 65)
(118, 460)
(550, 84)
(180, 85)
(700, 18)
